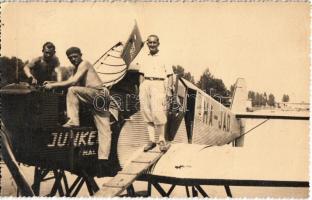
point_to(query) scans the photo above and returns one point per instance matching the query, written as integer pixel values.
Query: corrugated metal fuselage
(32, 117)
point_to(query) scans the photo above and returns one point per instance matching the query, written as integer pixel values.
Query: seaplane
(198, 125)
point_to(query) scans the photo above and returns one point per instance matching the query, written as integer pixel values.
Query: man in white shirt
(156, 83)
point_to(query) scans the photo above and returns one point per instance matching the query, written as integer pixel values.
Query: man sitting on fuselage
(85, 86)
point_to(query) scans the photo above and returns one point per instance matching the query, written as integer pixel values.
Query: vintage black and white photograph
(142, 99)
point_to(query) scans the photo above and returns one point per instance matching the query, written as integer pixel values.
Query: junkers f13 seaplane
(32, 135)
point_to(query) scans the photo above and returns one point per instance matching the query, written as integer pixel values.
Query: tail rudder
(239, 105)
(239, 100)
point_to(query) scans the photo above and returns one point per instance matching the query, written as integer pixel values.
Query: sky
(265, 43)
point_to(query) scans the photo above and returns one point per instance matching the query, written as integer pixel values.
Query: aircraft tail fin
(239, 104)
(239, 101)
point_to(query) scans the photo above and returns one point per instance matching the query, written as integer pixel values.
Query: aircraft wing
(289, 116)
(224, 165)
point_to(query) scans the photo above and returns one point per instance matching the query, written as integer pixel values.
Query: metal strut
(13, 166)
(254, 127)
(63, 189)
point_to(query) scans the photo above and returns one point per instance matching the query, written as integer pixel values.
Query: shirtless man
(43, 68)
(84, 86)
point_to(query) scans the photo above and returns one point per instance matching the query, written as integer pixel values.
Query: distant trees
(208, 83)
(252, 97)
(265, 99)
(271, 100)
(232, 88)
(179, 70)
(261, 99)
(11, 70)
(213, 86)
(285, 98)
(216, 89)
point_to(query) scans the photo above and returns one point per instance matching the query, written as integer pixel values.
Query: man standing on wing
(84, 86)
(43, 68)
(156, 82)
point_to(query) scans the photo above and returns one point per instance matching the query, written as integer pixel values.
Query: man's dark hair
(153, 35)
(48, 45)
(73, 50)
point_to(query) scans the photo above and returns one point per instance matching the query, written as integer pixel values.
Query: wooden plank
(128, 175)
(155, 150)
(146, 157)
(134, 168)
(121, 180)
(138, 165)
(109, 192)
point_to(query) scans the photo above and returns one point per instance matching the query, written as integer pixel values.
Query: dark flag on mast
(133, 45)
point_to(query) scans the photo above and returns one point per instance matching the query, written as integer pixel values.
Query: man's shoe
(150, 145)
(163, 146)
(70, 124)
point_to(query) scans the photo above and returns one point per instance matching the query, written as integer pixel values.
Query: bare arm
(141, 78)
(82, 69)
(27, 71)
(57, 76)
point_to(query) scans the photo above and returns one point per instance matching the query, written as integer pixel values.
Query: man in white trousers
(155, 85)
